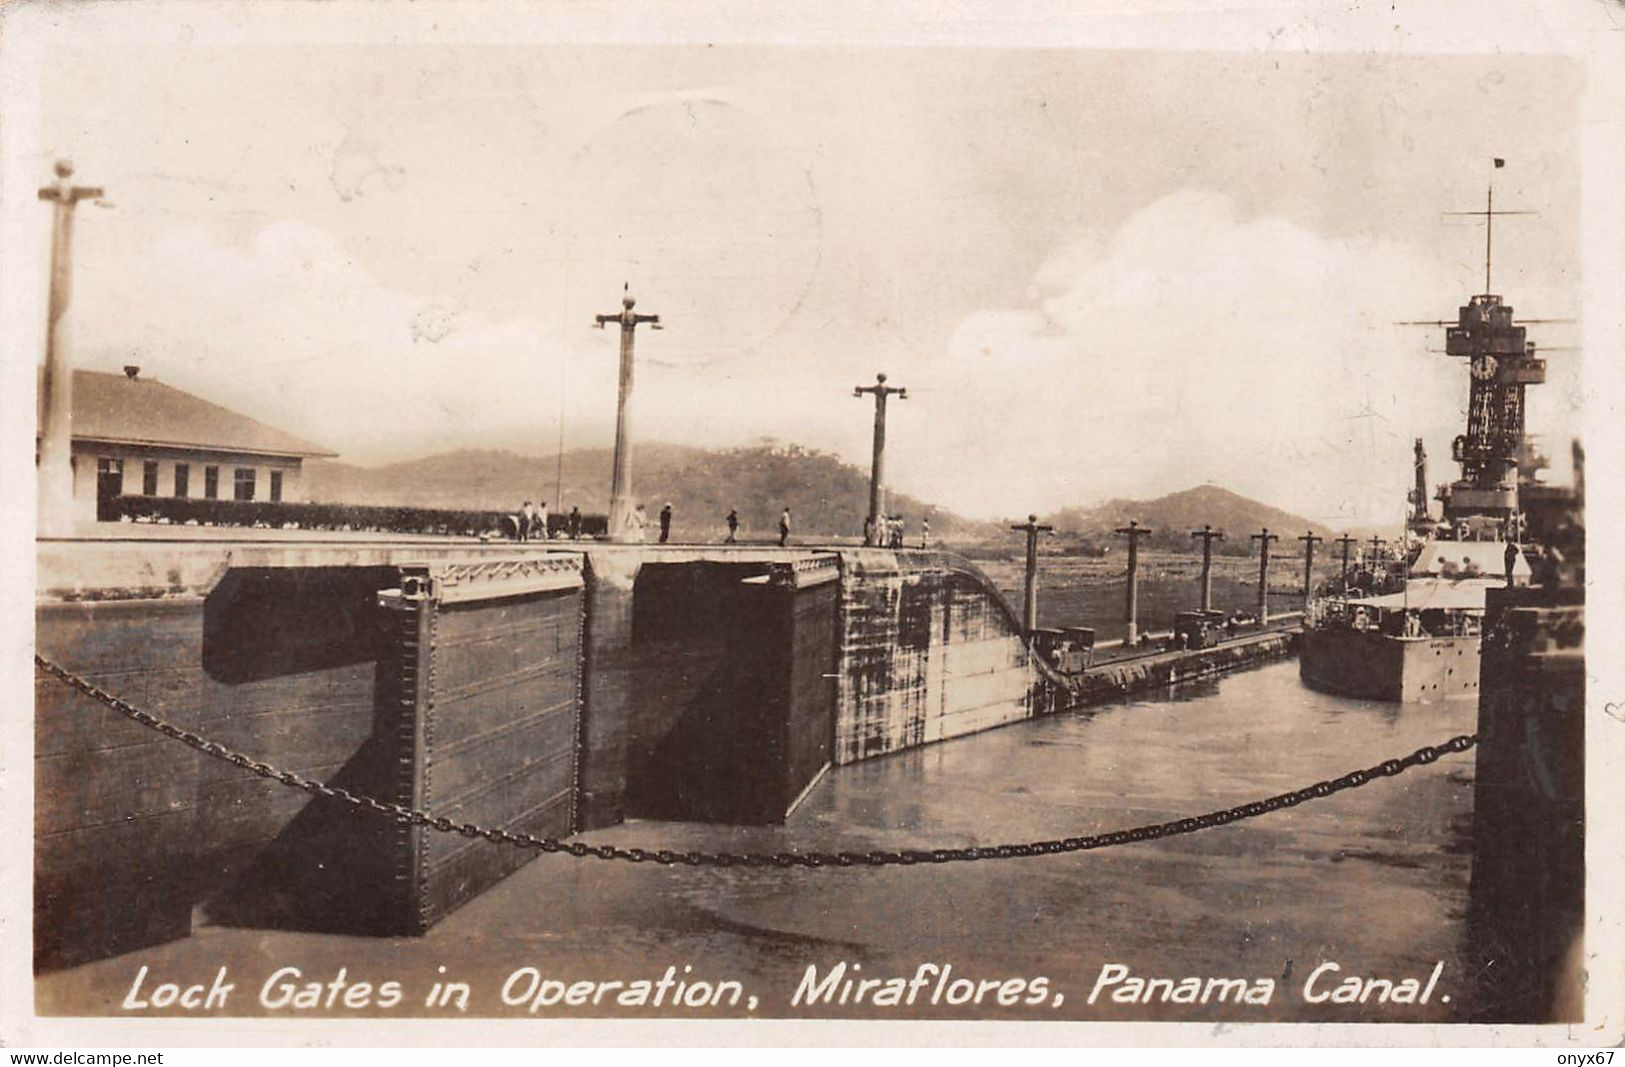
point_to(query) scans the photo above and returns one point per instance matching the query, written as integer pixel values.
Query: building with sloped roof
(137, 436)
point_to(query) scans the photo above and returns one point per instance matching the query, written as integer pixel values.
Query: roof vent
(131, 371)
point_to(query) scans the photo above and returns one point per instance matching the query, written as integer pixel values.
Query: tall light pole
(1347, 542)
(1029, 610)
(56, 432)
(877, 470)
(1131, 607)
(1264, 538)
(1208, 535)
(1309, 539)
(620, 488)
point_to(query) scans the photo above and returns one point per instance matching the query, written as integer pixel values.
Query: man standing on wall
(784, 527)
(540, 529)
(733, 525)
(665, 523)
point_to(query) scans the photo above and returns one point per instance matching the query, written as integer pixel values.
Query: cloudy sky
(1100, 272)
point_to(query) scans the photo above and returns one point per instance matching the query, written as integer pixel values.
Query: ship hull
(1370, 665)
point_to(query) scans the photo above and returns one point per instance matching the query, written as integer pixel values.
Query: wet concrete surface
(1373, 880)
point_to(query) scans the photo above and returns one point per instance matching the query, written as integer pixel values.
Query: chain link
(667, 857)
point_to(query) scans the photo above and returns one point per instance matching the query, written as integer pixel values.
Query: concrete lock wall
(929, 651)
(1527, 901)
(543, 692)
(283, 653)
(133, 828)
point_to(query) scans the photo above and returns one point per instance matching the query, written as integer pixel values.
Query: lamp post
(56, 431)
(620, 488)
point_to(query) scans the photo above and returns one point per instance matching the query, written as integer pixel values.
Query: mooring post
(620, 487)
(56, 432)
(877, 469)
(1347, 542)
(1208, 535)
(1131, 609)
(1309, 540)
(1029, 609)
(1264, 538)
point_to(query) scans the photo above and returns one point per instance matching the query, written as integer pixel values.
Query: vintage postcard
(548, 516)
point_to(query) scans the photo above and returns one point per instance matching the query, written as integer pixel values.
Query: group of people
(893, 532)
(532, 523)
(733, 524)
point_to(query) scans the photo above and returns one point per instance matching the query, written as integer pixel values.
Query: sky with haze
(1100, 273)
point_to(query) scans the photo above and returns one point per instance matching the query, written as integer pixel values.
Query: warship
(1406, 625)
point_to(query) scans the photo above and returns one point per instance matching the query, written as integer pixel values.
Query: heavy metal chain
(872, 858)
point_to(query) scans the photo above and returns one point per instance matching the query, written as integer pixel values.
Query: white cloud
(1197, 345)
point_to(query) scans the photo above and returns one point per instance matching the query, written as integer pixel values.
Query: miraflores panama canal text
(843, 984)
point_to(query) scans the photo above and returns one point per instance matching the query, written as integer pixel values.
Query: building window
(149, 478)
(276, 485)
(211, 483)
(183, 479)
(109, 476)
(243, 483)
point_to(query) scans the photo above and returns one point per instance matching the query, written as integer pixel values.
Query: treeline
(290, 515)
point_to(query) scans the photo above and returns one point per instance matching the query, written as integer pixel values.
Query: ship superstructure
(1410, 630)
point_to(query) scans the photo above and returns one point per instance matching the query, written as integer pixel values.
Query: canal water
(1373, 880)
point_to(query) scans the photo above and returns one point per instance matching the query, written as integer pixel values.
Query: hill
(825, 495)
(1172, 517)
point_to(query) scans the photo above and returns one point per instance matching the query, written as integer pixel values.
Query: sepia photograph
(592, 513)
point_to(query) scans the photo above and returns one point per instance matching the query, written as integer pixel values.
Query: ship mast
(1501, 362)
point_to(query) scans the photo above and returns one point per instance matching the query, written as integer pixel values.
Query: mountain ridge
(825, 494)
(1172, 517)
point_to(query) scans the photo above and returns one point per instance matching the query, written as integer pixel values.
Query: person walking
(527, 512)
(925, 532)
(784, 527)
(665, 523)
(575, 523)
(640, 524)
(733, 526)
(540, 530)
